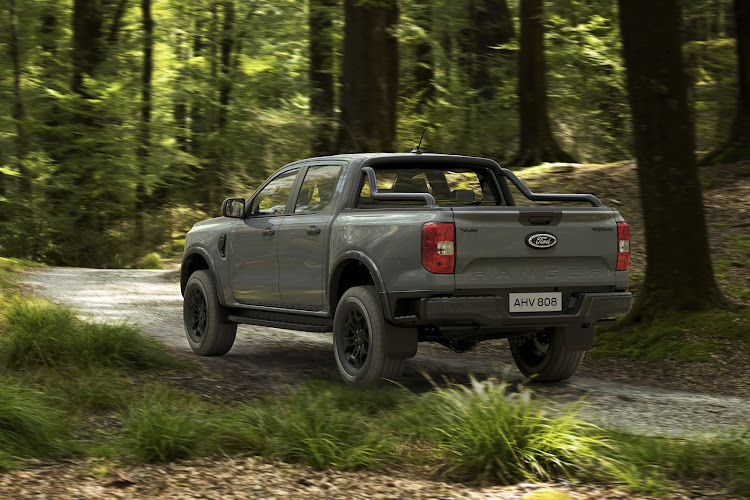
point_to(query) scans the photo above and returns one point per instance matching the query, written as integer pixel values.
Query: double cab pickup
(389, 250)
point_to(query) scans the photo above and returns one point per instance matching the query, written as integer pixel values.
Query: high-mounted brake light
(623, 246)
(439, 247)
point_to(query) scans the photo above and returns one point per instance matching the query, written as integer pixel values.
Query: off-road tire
(555, 364)
(208, 331)
(360, 306)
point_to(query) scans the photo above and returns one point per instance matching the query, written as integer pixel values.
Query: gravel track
(264, 359)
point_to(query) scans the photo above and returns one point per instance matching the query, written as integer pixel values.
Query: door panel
(253, 260)
(304, 240)
(253, 244)
(302, 254)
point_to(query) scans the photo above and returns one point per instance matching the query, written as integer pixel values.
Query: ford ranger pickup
(389, 250)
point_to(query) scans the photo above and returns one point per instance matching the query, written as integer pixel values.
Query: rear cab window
(451, 186)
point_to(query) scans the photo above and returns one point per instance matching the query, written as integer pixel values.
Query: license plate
(535, 302)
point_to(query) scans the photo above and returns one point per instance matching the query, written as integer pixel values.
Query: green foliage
(586, 80)
(166, 426)
(491, 433)
(321, 425)
(151, 261)
(648, 464)
(37, 334)
(742, 244)
(29, 427)
(686, 337)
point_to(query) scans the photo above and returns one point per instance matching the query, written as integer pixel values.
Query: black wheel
(206, 326)
(359, 339)
(544, 356)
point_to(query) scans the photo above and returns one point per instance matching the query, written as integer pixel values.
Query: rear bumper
(491, 311)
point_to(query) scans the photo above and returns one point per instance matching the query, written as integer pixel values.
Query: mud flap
(578, 338)
(400, 343)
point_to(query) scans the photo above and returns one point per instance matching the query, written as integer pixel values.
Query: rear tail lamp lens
(623, 246)
(439, 247)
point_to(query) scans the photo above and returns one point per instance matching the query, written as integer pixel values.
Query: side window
(317, 189)
(272, 199)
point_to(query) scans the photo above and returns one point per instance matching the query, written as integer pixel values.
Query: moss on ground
(685, 337)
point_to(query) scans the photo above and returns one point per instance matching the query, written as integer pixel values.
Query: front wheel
(360, 338)
(543, 355)
(207, 329)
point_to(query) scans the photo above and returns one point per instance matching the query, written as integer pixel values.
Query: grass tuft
(317, 424)
(151, 261)
(491, 433)
(37, 334)
(648, 464)
(28, 425)
(165, 427)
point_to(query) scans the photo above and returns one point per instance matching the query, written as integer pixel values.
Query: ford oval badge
(541, 240)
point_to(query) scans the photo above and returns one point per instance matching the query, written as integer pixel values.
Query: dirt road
(264, 359)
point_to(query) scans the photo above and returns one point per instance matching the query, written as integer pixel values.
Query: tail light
(623, 246)
(439, 247)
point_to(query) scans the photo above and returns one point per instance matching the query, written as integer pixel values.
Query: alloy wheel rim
(198, 315)
(356, 339)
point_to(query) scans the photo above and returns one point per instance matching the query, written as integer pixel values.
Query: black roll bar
(589, 198)
(377, 195)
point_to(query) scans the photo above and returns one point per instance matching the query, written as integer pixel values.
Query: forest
(124, 122)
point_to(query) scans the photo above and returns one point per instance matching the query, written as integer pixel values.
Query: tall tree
(87, 46)
(424, 69)
(737, 146)
(678, 264)
(537, 142)
(490, 25)
(370, 76)
(19, 113)
(144, 148)
(320, 24)
(227, 46)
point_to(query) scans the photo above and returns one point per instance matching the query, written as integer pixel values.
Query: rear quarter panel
(392, 239)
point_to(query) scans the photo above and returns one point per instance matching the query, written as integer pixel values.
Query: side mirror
(233, 207)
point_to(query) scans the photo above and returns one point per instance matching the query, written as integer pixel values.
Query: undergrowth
(37, 334)
(61, 373)
(685, 337)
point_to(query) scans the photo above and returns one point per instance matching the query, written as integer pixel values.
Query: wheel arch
(197, 260)
(351, 269)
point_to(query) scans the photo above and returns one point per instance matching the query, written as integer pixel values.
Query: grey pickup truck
(389, 250)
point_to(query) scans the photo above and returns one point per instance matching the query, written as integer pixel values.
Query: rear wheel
(544, 356)
(206, 326)
(359, 339)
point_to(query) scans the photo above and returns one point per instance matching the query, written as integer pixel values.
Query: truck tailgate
(577, 247)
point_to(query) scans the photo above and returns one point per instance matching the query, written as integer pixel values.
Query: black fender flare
(377, 278)
(184, 277)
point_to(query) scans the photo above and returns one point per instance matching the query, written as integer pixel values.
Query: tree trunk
(144, 148)
(227, 44)
(114, 29)
(19, 113)
(370, 77)
(180, 107)
(321, 76)
(737, 147)
(424, 70)
(197, 121)
(678, 263)
(86, 43)
(537, 142)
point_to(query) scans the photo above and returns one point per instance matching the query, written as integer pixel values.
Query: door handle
(312, 230)
(269, 232)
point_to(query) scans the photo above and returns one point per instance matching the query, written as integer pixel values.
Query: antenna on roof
(416, 150)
